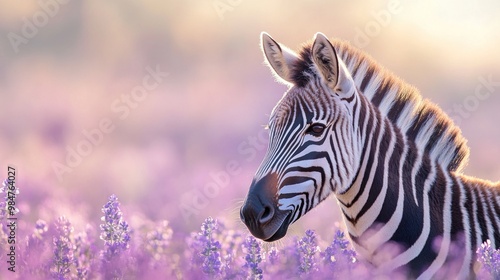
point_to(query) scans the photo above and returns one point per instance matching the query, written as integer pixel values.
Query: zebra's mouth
(260, 211)
(281, 230)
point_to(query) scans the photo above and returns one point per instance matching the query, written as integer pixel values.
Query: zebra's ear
(278, 58)
(326, 60)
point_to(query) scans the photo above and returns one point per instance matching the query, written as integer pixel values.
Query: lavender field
(129, 123)
(115, 250)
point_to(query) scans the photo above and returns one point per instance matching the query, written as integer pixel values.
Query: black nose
(256, 209)
(260, 205)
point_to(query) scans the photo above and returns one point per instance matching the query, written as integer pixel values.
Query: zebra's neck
(417, 119)
(404, 195)
(381, 149)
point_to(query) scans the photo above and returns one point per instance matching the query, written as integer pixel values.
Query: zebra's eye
(316, 129)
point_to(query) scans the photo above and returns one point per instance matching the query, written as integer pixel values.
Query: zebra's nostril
(266, 214)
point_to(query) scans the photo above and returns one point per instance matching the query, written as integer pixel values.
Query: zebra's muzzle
(260, 211)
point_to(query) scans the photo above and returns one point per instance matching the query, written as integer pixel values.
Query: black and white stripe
(392, 159)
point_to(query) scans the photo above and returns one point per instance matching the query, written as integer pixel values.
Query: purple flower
(307, 247)
(253, 258)
(63, 250)
(212, 263)
(211, 251)
(115, 232)
(206, 249)
(286, 262)
(40, 229)
(116, 260)
(158, 240)
(337, 256)
(490, 259)
(272, 257)
(36, 238)
(38, 234)
(83, 253)
(231, 241)
(37, 253)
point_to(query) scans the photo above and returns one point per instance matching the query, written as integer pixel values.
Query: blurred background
(163, 103)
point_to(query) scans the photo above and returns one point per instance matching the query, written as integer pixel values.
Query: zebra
(392, 159)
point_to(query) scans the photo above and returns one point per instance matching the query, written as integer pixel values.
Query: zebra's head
(312, 149)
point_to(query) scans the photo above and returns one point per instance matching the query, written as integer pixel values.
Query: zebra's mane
(423, 122)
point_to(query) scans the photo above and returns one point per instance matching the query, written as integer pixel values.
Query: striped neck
(416, 119)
